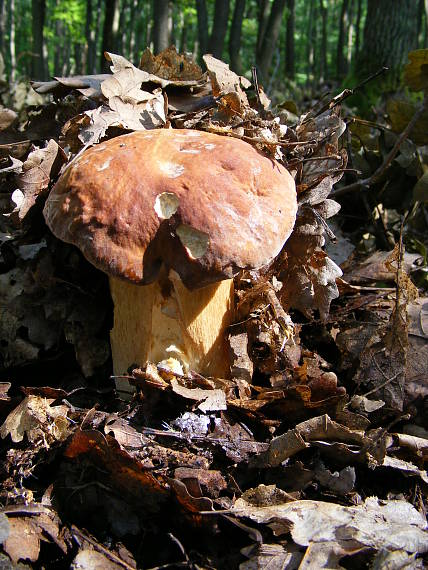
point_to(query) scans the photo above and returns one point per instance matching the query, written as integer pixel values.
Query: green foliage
(72, 14)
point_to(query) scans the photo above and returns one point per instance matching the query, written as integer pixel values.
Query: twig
(256, 87)
(75, 531)
(367, 182)
(369, 124)
(344, 95)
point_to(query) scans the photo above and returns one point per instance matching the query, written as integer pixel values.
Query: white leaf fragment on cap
(171, 169)
(195, 241)
(166, 204)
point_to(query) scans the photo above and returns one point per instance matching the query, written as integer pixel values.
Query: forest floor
(312, 455)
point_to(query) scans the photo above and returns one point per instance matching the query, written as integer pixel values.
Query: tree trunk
(341, 64)
(309, 43)
(426, 24)
(90, 48)
(389, 34)
(141, 29)
(12, 49)
(419, 33)
(97, 35)
(160, 25)
(323, 55)
(108, 35)
(219, 28)
(121, 31)
(263, 17)
(77, 48)
(350, 33)
(235, 36)
(202, 13)
(270, 38)
(358, 29)
(38, 12)
(290, 54)
(3, 28)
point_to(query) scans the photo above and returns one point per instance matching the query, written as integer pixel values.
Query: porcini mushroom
(171, 216)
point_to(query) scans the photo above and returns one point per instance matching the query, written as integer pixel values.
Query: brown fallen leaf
(392, 525)
(40, 166)
(121, 471)
(179, 69)
(209, 400)
(37, 419)
(23, 542)
(320, 431)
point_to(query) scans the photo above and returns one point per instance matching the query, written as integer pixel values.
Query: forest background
(294, 43)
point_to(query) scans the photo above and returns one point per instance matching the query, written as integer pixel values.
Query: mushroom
(171, 215)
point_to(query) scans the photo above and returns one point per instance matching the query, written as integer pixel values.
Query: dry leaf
(37, 419)
(393, 525)
(41, 165)
(210, 400)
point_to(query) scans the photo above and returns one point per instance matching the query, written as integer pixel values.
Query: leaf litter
(284, 464)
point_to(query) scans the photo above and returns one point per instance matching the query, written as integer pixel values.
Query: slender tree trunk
(290, 52)
(219, 28)
(12, 43)
(235, 36)
(263, 17)
(121, 30)
(421, 14)
(142, 29)
(98, 35)
(38, 12)
(389, 34)
(270, 38)
(183, 35)
(202, 14)
(426, 24)
(160, 25)
(91, 48)
(341, 66)
(2, 28)
(59, 52)
(358, 29)
(132, 26)
(67, 55)
(323, 75)
(309, 42)
(350, 34)
(108, 35)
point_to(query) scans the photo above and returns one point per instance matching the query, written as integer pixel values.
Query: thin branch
(367, 182)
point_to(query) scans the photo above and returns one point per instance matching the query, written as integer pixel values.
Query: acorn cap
(203, 204)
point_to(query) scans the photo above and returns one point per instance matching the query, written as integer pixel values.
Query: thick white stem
(162, 320)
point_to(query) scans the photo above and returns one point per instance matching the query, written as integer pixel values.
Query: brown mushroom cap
(202, 204)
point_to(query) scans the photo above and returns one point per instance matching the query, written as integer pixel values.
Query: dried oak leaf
(228, 84)
(416, 71)
(121, 471)
(209, 400)
(23, 542)
(269, 557)
(322, 430)
(89, 559)
(391, 525)
(41, 165)
(26, 532)
(137, 109)
(7, 118)
(309, 284)
(88, 85)
(383, 360)
(173, 66)
(37, 419)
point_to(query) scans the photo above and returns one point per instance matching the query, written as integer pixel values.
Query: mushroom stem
(165, 320)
